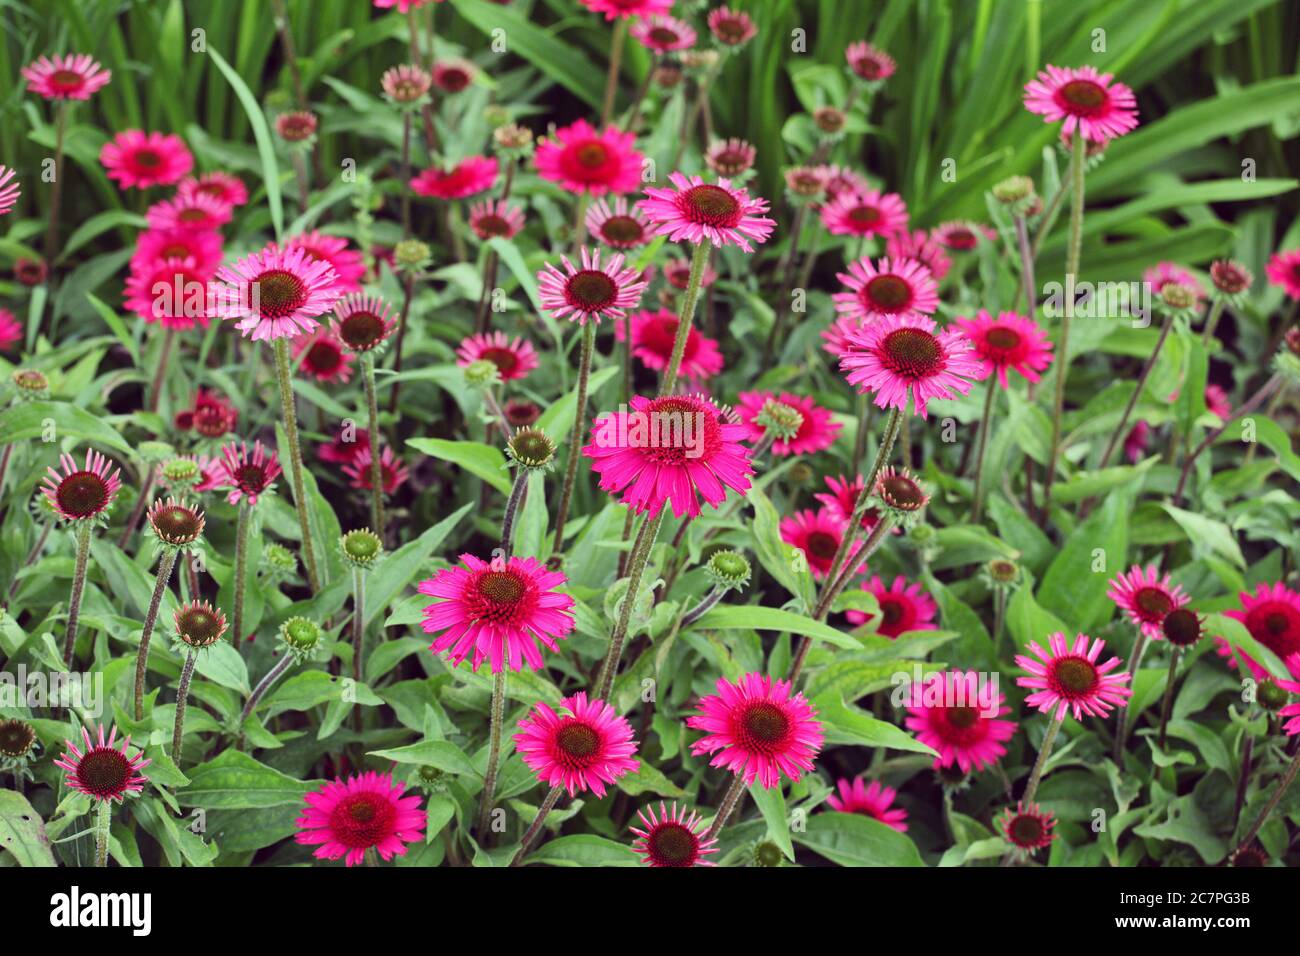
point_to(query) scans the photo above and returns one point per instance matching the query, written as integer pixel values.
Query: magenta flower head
(673, 838)
(670, 450)
(222, 186)
(65, 77)
(1272, 616)
(1146, 598)
(276, 293)
(591, 292)
(1068, 679)
(470, 176)
(583, 160)
(663, 34)
(1085, 99)
(818, 534)
(140, 160)
(899, 354)
(82, 494)
(247, 474)
(9, 191)
(816, 430)
(345, 818)
(104, 771)
(872, 799)
(196, 212)
(362, 322)
(1010, 342)
(655, 333)
(616, 224)
(695, 211)
(1283, 268)
(958, 716)
(891, 287)
(583, 745)
(869, 63)
(758, 730)
(514, 358)
(504, 611)
(731, 27)
(864, 214)
(1027, 827)
(628, 8)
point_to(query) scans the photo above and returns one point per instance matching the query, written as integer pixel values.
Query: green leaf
(771, 804)
(396, 570)
(1072, 588)
(778, 558)
(583, 849)
(851, 839)
(557, 420)
(1207, 534)
(754, 618)
(480, 460)
(30, 419)
(442, 754)
(261, 134)
(22, 831)
(646, 779)
(235, 781)
(849, 725)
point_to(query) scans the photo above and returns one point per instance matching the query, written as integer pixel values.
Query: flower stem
(1026, 267)
(406, 174)
(1273, 801)
(1216, 313)
(165, 566)
(1036, 775)
(508, 520)
(182, 697)
(241, 573)
(376, 466)
(575, 439)
(728, 805)
(977, 503)
(56, 194)
(78, 588)
(1121, 720)
(103, 823)
(787, 284)
(552, 796)
(141, 502)
(295, 459)
(494, 753)
(699, 258)
(155, 390)
(1077, 166)
(408, 290)
(616, 43)
(358, 621)
(645, 540)
(1167, 705)
(282, 665)
(1249, 406)
(697, 612)
(1118, 434)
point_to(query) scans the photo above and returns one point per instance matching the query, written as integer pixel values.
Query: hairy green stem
(290, 412)
(575, 439)
(1036, 775)
(552, 797)
(1287, 778)
(1121, 720)
(699, 258)
(376, 466)
(103, 824)
(645, 540)
(84, 528)
(729, 800)
(182, 698)
(165, 565)
(494, 752)
(241, 572)
(977, 502)
(1168, 702)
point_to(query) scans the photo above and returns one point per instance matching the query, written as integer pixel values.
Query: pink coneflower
(403, 6)
(817, 431)
(841, 179)
(806, 181)
(514, 358)
(1283, 269)
(495, 219)
(9, 190)
(1027, 827)
(1009, 342)
(591, 292)
(628, 8)
(730, 157)
(695, 210)
(104, 771)
(903, 607)
(818, 534)
(30, 272)
(957, 715)
(838, 334)
(583, 745)
(1085, 100)
(1216, 401)
(618, 225)
(521, 413)
(503, 612)
(1272, 616)
(169, 292)
(663, 34)
(344, 445)
(652, 457)
(405, 83)
(678, 274)
(362, 322)
(137, 159)
(1146, 598)
(296, 126)
(673, 838)
(898, 353)
(653, 335)
(870, 799)
(842, 499)
(348, 264)
(65, 77)
(453, 76)
(368, 811)
(583, 160)
(392, 470)
(248, 474)
(731, 27)
(212, 415)
(276, 293)
(82, 494)
(154, 245)
(11, 330)
(1169, 273)
(894, 287)
(919, 246)
(471, 175)
(758, 730)
(199, 212)
(1292, 726)
(960, 235)
(220, 186)
(868, 62)
(323, 356)
(1135, 442)
(1067, 679)
(864, 214)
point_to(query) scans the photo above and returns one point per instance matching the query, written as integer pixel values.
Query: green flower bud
(728, 570)
(361, 548)
(531, 448)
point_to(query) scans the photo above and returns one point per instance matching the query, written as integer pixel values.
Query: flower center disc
(104, 772)
(148, 158)
(362, 820)
(1153, 602)
(764, 724)
(891, 612)
(592, 290)
(663, 36)
(1002, 338)
(962, 717)
(501, 587)
(711, 205)
(65, 79)
(324, 357)
(198, 627)
(823, 545)
(82, 494)
(192, 214)
(1076, 676)
(864, 215)
(176, 522)
(1084, 95)
(903, 493)
(577, 740)
(1026, 830)
(622, 229)
(889, 293)
(361, 330)
(503, 359)
(672, 844)
(251, 479)
(280, 293)
(912, 353)
(493, 226)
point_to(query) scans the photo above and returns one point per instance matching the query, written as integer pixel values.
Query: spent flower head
(531, 448)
